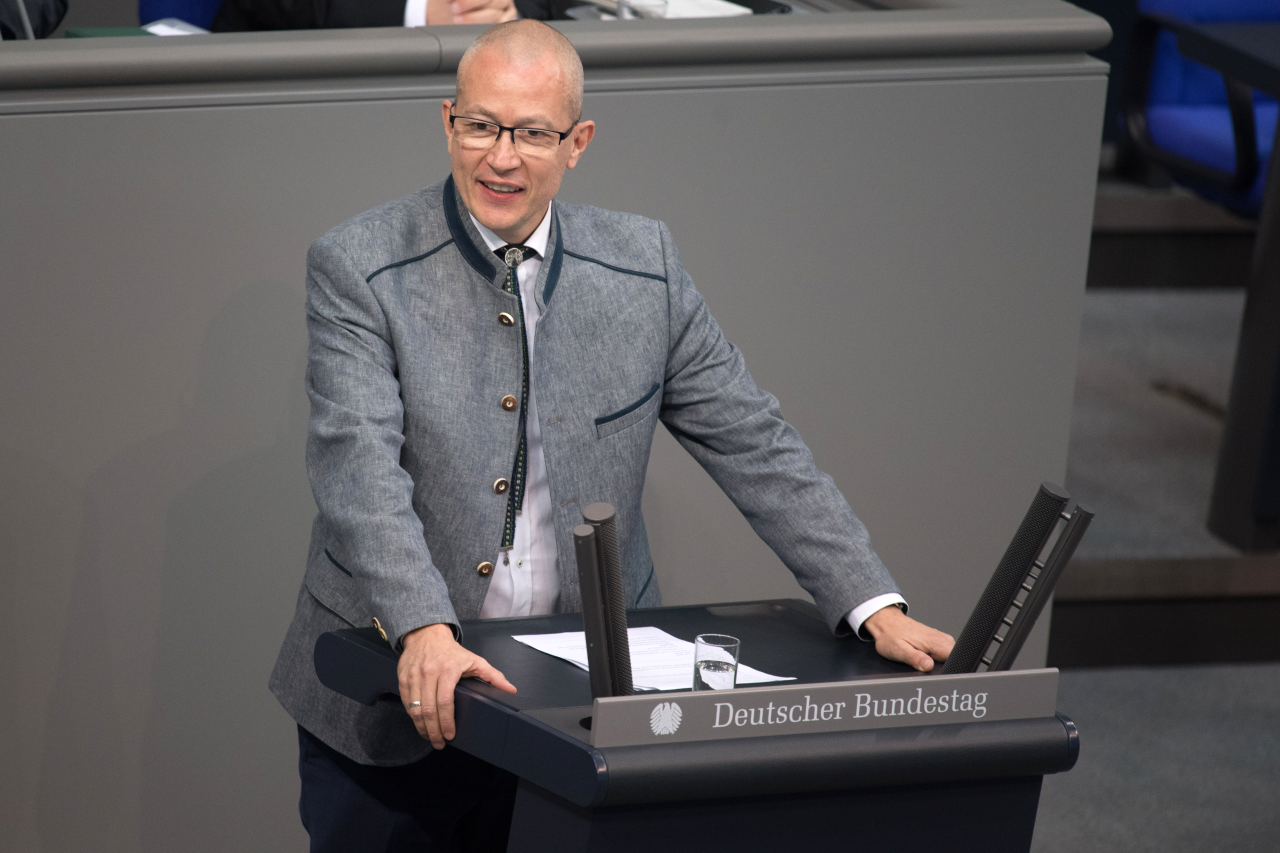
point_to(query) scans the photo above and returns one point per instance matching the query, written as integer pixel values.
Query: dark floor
(1157, 345)
(1172, 760)
(1151, 386)
(1151, 389)
(1175, 757)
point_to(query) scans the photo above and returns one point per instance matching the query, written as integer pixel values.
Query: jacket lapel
(551, 267)
(465, 236)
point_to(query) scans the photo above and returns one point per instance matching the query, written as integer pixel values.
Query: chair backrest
(1175, 80)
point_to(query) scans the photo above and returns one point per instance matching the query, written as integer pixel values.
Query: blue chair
(1212, 134)
(198, 12)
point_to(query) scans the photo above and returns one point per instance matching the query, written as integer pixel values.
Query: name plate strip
(835, 706)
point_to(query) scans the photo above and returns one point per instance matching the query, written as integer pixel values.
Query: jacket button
(509, 403)
(506, 319)
(501, 485)
(485, 568)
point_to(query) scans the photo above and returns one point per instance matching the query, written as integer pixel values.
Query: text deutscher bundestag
(863, 706)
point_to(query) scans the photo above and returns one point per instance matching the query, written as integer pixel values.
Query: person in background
(43, 17)
(252, 15)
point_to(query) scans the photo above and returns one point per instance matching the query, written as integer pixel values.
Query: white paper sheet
(159, 29)
(659, 661)
(173, 27)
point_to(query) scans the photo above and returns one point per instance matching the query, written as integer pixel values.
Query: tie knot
(513, 256)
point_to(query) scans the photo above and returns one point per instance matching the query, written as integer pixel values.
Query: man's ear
(582, 136)
(445, 108)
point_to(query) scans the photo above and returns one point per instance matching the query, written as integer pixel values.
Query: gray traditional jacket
(406, 367)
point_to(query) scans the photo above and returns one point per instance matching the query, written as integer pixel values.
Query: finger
(933, 646)
(483, 670)
(936, 644)
(431, 712)
(444, 706)
(418, 714)
(904, 651)
(411, 691)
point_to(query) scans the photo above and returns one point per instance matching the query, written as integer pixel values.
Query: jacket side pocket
(331, 584)
(635, 413)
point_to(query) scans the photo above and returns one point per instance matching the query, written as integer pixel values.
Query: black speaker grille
(1003, 586)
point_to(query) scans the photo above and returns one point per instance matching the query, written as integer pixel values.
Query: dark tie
(513, 256)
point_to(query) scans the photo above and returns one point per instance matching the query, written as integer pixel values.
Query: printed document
(659, 661)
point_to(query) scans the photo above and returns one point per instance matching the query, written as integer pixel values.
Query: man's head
(522, 74)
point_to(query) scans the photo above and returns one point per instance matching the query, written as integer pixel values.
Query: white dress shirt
(526, 580)
(415, 15)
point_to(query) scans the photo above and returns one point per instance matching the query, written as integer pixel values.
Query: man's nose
(503, 154)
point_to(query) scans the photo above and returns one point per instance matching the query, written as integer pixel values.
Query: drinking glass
(715, 662)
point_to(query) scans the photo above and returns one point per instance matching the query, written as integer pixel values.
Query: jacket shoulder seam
(369, 279)
(623, 270)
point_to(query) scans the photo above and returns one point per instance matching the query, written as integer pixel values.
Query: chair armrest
(1142, 50)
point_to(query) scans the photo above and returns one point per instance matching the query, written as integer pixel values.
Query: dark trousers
(448, 801)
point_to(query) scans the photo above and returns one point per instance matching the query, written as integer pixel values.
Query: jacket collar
(465, 236)
(555, 259)
(476, 252)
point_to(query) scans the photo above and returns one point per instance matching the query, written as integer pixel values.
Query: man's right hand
(430, 667)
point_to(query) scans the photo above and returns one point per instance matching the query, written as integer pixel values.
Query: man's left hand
(901, 638)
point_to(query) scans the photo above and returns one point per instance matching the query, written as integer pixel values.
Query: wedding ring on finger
(415, 704)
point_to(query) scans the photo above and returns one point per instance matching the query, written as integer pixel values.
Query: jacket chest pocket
(631, 415)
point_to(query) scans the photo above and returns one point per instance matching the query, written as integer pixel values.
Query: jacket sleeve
(736, 432)
(354, 441)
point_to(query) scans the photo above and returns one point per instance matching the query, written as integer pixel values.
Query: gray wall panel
(156, 509)
(907, 281)
(905, 273)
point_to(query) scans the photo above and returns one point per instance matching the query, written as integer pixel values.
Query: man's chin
(496, 224)
(498, 221)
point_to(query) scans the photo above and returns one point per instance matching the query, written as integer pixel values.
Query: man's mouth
(500, 188)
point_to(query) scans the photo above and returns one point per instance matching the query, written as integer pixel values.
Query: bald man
(485, 361)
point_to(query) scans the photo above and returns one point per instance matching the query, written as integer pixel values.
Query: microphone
(604, 607)
(1021, 584)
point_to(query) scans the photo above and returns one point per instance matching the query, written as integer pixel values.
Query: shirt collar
(537, 240)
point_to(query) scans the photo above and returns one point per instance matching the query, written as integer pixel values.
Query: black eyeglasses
(476, 133)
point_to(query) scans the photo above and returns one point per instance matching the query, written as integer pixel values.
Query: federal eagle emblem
(665, 718)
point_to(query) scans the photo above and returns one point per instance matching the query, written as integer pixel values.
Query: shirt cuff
(859, 614)
(415, 13)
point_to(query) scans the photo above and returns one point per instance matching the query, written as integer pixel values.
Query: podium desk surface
(539, 733)
(786, 638)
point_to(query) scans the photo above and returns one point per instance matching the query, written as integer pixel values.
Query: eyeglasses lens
(480, 134)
